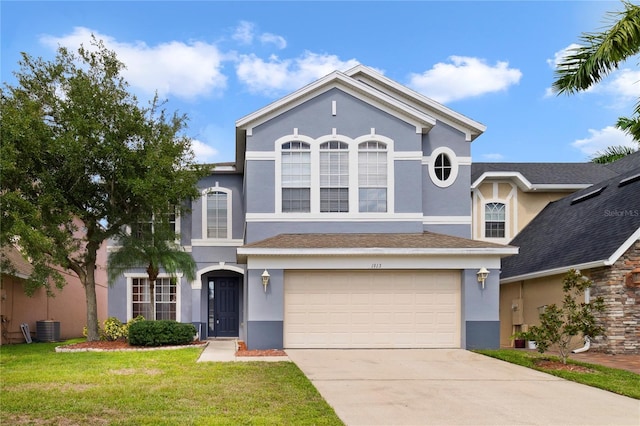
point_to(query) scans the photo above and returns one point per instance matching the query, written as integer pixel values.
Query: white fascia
(526, 186)
(373, 262)
(377, 251)
(554, 271)
(422, 121)
(472, 130)
(580, 266)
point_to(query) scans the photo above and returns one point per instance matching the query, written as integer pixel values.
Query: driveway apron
(453, 387)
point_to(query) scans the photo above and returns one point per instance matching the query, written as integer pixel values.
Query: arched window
(334, 177)
(296, 177)
(494, 220)
(372, 177)
(216, 213)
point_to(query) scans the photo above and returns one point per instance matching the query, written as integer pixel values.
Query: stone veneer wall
(621, 318)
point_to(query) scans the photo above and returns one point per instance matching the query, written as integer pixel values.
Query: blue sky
(219, 61)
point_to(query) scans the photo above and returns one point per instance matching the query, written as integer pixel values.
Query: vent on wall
(588, 195)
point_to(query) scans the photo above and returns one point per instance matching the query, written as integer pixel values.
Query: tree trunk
(93, 329)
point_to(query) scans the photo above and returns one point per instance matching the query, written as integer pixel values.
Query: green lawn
(611, 379)
(40, 386)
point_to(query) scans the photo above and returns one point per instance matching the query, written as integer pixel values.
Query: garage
(372, 309)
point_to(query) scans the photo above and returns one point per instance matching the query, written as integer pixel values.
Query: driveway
(453, 387)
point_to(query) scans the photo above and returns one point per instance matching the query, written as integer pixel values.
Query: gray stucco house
(345, 222)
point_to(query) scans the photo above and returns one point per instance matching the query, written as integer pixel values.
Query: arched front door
(224, 306)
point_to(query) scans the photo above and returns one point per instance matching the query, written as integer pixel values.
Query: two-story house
(345, 222)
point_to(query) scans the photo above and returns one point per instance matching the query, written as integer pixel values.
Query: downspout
(587, 345)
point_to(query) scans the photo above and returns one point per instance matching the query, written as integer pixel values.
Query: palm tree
(602, 53)
(155, 247)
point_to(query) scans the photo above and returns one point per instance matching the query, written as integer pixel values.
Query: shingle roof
(423, 240)
(587, 226)
(626, 163)
(548, 173)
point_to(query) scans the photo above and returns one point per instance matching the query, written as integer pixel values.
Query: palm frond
(601, 53)
(611, 154)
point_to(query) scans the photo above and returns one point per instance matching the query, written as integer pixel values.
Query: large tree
(151, 245)
(598, 55)
(82, 158)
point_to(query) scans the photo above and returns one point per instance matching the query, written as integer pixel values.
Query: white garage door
(372, 309)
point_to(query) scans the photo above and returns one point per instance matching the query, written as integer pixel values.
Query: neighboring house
(595, 230)
(345, 222)
(507, 196)
(67, 306)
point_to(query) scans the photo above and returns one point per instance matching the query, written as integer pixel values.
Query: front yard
(40, 386)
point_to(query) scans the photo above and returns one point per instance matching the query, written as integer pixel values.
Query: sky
(217, 61)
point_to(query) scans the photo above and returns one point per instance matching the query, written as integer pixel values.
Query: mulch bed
(558, 365)
(122, 345)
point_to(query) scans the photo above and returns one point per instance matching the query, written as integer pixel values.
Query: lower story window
(163, 295)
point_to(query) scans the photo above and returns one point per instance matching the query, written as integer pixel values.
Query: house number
(376, 265)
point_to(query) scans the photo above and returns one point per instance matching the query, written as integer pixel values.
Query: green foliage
(611, 154)
(601, 53)
(560, 324)
(160, 387)
(114, 329)
(160, 333)
(80, 159)
(614, 380)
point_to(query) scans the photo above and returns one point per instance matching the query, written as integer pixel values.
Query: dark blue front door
(224, 304)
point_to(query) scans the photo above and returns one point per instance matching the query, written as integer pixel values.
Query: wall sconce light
(633, 277)
(483, 273)
(265, 279)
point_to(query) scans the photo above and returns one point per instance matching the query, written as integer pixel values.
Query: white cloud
(275, 75)
(622, 84)
(172, 68)
(464, 77)
(493, 156)
(601, 139)
(278, 41)
(203, 153)
(559, 56)
(244, 32)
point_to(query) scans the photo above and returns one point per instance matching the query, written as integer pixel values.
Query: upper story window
(372, 177)
(494, 220)
(216, 213)
(296, 177)
(334, 174)
(443, 167)
(334, 177)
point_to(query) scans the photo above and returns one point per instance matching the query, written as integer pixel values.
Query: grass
(40, 386)
(611, 379)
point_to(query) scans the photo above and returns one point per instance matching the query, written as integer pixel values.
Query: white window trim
(511, 211)
(204, 194)
(131, 276)
(454, 167)
(315, 172)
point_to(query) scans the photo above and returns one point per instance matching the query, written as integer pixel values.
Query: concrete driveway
(453, 387)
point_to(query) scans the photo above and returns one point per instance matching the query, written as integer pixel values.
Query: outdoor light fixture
(265, 279)
(483, 273)
(633, 277)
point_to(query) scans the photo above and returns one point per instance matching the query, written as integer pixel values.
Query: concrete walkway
(453, 387)
(224, 350)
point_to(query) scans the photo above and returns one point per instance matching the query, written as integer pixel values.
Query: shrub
(114, 329)
(160, 333)
(559, 324)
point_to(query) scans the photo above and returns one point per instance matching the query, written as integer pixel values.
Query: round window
(443, 169)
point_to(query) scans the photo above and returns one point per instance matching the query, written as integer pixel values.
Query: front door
(224, 307)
